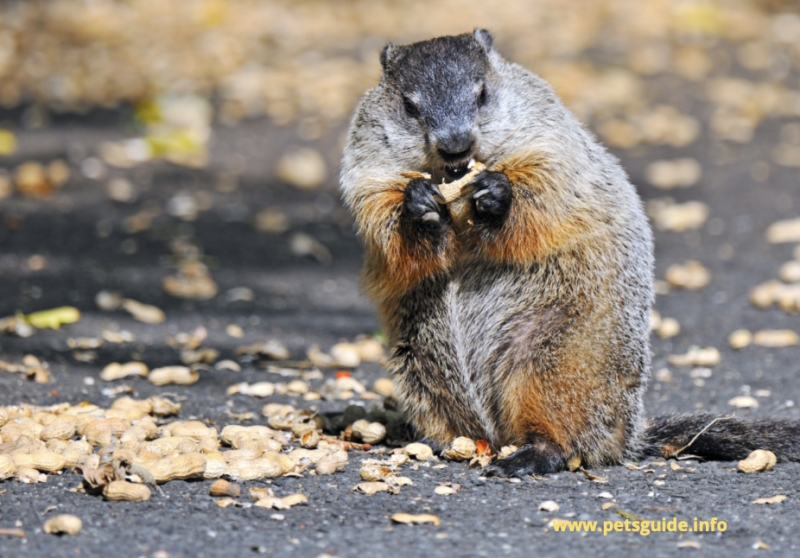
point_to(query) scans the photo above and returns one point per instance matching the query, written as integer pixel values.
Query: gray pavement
(302, 302)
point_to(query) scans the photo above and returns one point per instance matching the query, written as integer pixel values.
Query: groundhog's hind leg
(540, 457)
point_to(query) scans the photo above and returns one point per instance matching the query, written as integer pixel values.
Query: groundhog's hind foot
(533, 459)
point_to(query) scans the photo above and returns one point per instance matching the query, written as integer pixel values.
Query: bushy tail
(721, 438)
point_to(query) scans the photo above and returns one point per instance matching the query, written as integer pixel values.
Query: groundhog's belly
(496, 324)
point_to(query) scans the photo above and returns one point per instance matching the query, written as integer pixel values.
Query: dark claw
(420, 203)
(491, 196)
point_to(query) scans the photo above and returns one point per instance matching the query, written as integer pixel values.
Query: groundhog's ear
(385, 54)
(484, 38)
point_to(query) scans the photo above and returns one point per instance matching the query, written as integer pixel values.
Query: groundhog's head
(440, 93)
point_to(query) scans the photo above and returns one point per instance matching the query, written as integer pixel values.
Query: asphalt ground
(303, 302)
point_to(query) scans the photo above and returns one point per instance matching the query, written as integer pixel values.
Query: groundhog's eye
(482, 95)
(411, 108)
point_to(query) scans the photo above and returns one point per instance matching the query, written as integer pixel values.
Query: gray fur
(461, 334)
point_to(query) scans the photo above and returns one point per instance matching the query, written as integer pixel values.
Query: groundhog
(520, 313)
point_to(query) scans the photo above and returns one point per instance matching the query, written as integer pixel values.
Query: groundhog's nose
(456, 145)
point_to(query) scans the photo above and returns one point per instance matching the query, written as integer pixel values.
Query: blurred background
(169, 169)
(185, 153)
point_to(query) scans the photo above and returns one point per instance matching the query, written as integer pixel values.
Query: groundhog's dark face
(441, 91)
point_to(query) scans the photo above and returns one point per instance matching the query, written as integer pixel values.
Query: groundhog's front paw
(420, 205)
(491, 196)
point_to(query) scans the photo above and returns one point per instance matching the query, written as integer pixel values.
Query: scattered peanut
(332, 463)
(126, 491)
(691, 275)
(421, 452)
(117, 371)
(460, 449)
(697, 356)
(759, 460)
(8, 468)
(383, 386)
(776, 338)
(225, 488)
(369, 432)
(64, 523)
(740, 339)
(173, 375)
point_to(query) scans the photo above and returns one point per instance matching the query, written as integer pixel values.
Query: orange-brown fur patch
(528, 233)
(394, 264)
(553, 404)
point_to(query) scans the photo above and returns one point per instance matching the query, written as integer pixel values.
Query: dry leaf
(594, 478)
(54, 318)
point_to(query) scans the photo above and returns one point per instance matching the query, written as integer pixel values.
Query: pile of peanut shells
(125, 451)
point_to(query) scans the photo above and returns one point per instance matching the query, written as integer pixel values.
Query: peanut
(251, 469)
(759, 460)
(332, 463)
(421, 452)
(117, 371)
(180, 375)
(188, 466)
(99, 433)
(59, 430)
(369, 432)
(126, 491)
(46, 461)
(225, 488)
(66, 524)
(452, 191)
(8, 467)
(462, 448)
